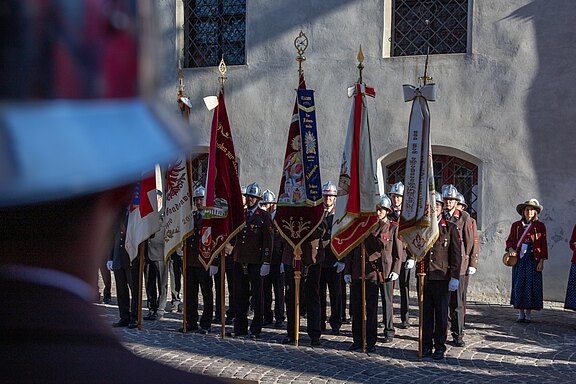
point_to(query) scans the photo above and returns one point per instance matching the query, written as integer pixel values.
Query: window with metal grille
(446, 31)
(198, 170)
(447, 170)
(214, 29)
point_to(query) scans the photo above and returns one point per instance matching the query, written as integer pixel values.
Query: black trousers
(458, 308)
(371, 311)
(387, 293)
(311, 289)
(274, 282)
(106, 279)
(156, 273)
(344, 298)
(436, 297)
(333, 281)
(247, 283)
(175, 272)
(228, 275)
(404, 284)
(127, 281)
(198, 278)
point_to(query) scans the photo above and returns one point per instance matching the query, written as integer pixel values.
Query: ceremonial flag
(418, 224)
(299, 209)
(223, 215)
(178, 217)
(355, 213)
(143, 219)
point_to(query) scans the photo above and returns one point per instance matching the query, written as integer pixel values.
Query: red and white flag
(418, 224)
(223, 215)
(143, 219)
(178, 217)
(355, 213)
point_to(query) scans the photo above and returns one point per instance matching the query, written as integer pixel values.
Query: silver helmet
(253, 190)
(268, 197)
(450, 192)
(385, 203)
(397, 189)
(329, 189)
(461, 200)
(199, 192)
(438, 197)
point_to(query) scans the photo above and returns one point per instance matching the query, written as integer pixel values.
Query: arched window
(447, 170)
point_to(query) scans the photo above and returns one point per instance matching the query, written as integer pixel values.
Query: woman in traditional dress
(570, 302)
(527, 241)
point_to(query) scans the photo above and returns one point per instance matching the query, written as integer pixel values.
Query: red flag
(223, 214)
(300, 208)
(143, 219)
(355, 213)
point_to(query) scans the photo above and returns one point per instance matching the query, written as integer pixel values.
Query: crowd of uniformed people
(259, 274)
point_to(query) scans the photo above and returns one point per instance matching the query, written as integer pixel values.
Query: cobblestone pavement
(497, 350)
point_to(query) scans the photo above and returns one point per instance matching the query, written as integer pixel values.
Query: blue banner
(309, 137)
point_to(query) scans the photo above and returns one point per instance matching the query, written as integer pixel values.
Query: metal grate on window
(198, 170)
(214, 29)
(447, 170)
(445, 33)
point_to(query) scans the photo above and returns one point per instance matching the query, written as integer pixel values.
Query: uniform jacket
(394, 216)
(475, 250)
(573, 245)
(465, 231)
(119, 256)
(372, 261)
(254, 244)
(193, 243)
(278, 248)
(537, 235)
(444, 260)
(312, 249)
(69, 343)
(329, 257)
(392, 249)
(155, 244)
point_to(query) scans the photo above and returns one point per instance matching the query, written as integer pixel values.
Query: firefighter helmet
(268, 197)
(385, 203)
(397, 189)
(329, 189)
(253, 190)
(450, 192)
(199, 192)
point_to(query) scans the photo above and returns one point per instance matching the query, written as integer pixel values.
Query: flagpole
(222, 292)
(362, 260)
(297, 266)
(140, 275)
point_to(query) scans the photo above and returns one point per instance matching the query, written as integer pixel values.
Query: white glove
(348, 279)
(409, 264)
(213, 269)
(281, 267)
(453, 284)
(339, 266)
(393, 276)
(109, 264)
(180, 252)
(264, 269)
(471, 270)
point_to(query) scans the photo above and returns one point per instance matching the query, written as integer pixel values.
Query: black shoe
(459, 342)
(188, 329)
(371, 349)
(204, 331)
(355, 347)
(405, 324)
(121, 324)
(388, 339)
(229, 320)
(288, 340)
(266, 323)
(335, 331)
(217, 320)
(132, 325)
(279, 324)
(438, 355)
(315, 342)
(150, 316)
(254, 336)
(427, 353)
(345, 321)
(235, 335)
(107, 300)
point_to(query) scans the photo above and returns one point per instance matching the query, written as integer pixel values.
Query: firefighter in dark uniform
(274, 282)
(332, 268)
(252, 253)
(407, 262)
(311, 259)
(461, 219)
(442, 267)
(392, 251)
(197, 277)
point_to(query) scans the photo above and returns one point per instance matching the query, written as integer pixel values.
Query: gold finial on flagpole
(360, 67)
(425, 79)
(300, 43)
(222, 69)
